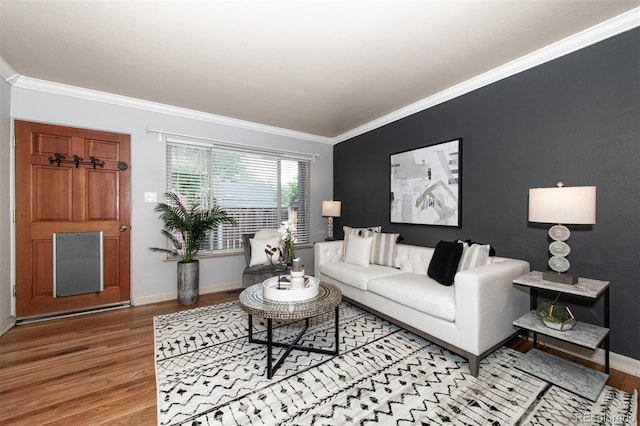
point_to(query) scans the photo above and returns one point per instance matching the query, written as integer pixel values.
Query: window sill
(226, 253)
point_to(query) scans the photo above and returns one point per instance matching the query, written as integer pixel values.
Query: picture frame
(425, 185)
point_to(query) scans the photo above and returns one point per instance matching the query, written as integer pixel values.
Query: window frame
(303, 180)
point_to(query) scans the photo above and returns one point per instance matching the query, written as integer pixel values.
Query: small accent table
(251, 300)
(568, 375)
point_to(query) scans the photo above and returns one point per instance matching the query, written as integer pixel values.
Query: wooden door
(64, 197)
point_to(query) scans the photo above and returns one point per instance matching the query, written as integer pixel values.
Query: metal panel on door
(78, 263)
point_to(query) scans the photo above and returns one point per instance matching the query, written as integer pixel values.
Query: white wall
(153, 279)
(6, 238)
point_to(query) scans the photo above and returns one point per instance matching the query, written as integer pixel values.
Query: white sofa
(472, 317)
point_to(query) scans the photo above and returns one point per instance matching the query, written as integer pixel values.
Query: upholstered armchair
(259, 268)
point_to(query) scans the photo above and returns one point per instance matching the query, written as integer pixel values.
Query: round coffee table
(251, 300)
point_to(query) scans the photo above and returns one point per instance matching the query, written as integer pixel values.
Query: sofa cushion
(353, 275)
(417, 291)
(444, 263)
(257, 274)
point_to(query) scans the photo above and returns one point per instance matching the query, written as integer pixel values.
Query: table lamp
(562, 206)
(330, 209)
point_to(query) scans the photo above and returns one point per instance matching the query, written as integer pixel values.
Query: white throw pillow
(349, 231)
(258, 256)
(358, 250)
(473, 255)
(266, 234)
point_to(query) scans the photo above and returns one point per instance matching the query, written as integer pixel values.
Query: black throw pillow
(444, 263)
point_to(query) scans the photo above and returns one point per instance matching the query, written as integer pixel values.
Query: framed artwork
(426, 185)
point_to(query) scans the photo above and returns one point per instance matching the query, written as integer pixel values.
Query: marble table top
(584, 287)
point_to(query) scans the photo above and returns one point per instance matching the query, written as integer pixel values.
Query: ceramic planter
(188, 282)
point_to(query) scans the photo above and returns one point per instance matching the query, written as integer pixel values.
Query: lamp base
(560, 277)
(330, 228)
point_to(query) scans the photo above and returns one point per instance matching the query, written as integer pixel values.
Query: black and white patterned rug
(208, 373)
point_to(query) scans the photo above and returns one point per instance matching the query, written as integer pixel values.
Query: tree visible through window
(258, 190)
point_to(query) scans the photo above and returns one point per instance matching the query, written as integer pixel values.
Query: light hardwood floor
(99, 369)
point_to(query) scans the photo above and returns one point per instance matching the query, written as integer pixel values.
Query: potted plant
(187, 228)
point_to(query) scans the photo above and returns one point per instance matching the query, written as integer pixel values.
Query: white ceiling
(318, 67)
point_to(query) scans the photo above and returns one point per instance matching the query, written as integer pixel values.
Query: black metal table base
(271, 368)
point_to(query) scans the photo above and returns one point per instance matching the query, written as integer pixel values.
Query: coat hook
(77, 160)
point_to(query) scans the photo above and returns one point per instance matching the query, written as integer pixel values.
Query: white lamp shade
(331, 208)
(563, 205)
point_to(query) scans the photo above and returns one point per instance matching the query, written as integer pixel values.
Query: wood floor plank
(98, 369)
(75, 386)
(89, 359)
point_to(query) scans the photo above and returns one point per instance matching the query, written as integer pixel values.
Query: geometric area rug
(207, 373)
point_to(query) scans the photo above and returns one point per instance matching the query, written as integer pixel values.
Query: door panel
(102, 195)
(104, 150)
(42, 268)
(67, 196)
(50, 144)
(111, 266)
(51, 205)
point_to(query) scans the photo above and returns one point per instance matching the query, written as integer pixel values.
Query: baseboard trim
(164, 297)
(7, 325)
(73, 313)
(616, 361)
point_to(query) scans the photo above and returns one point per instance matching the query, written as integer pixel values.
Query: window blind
(258, 190)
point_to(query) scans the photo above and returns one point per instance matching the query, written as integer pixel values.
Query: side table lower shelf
(582, 334)
(568, 375)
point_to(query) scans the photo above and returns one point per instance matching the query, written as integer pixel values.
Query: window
(257, 189)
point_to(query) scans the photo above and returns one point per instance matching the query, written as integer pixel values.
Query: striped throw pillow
(383, 250)
(473, 255)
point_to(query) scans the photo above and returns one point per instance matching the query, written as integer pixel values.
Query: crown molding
(595, 34)
(7, 72)
(29, 83)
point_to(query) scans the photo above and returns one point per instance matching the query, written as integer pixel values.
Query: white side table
(566, 374)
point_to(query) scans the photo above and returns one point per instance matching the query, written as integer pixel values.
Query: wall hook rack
(93, 161)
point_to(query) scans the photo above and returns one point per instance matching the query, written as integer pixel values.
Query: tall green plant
(190, 222)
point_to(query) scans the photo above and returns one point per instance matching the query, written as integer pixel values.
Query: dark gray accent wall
(575, 119)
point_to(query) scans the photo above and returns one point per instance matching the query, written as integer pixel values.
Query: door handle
(122, 228)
